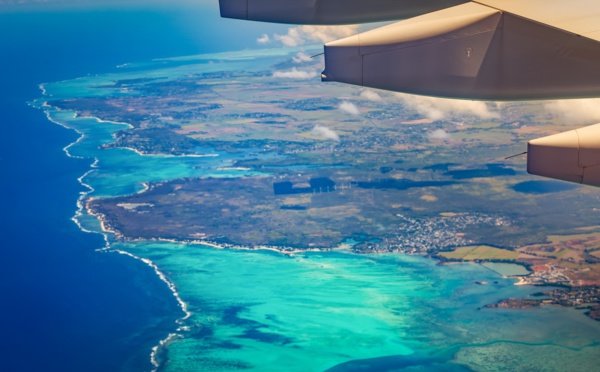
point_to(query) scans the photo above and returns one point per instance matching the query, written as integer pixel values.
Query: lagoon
(507, 269)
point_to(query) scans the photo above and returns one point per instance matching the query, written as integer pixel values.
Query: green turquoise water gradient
(264, 311)
(310, 312)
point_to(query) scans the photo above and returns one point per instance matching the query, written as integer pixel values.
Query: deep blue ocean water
(66, 307)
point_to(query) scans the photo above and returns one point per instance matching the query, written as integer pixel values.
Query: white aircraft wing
(483, 50)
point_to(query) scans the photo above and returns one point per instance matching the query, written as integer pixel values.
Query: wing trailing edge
(330, 12)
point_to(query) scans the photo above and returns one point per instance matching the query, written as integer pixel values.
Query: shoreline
(77, 116)
(155, 350)
(140, 153)
(522, 281)
(81, 206)
(286, 251)
(46, 108)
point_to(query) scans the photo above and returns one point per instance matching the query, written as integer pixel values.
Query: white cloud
(292, 38)
(295, 74)
(324, 132)
(301, 58)
(264, 39)
(370, 95)
(575, 111)
(444, 108)
(439, 134)
(305, 34)
(349, 107)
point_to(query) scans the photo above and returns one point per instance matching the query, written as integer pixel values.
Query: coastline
(169, 155)
(81, 205)
(156, 350)
(287, 251)
(184, 307)
(77, 116)
(45, 106)
(522, 281)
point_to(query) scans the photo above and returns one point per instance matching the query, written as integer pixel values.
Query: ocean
(70, 304)
(66, 306)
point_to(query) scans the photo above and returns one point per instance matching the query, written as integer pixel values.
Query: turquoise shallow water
(265, 311)
(310, 312)
(507, 269)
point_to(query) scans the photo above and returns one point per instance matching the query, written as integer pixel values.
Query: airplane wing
(572, 156)
(490, 50)
(483, 50)
(329, 12)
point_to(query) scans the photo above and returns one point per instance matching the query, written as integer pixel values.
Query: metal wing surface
(488, 50)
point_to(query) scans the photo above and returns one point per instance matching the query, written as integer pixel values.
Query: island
(319, 169)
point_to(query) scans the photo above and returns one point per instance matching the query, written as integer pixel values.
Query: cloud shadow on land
(543, 187)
